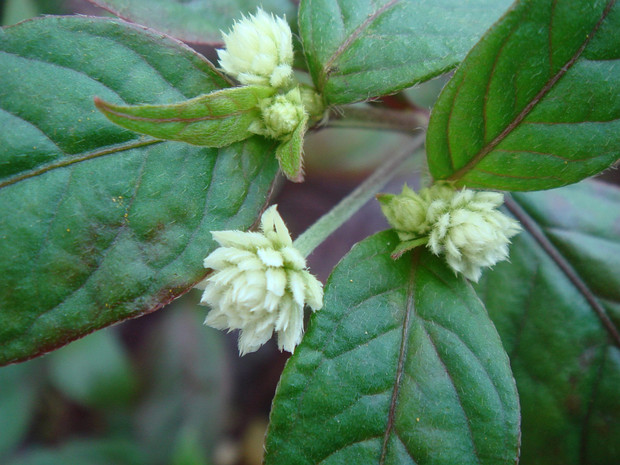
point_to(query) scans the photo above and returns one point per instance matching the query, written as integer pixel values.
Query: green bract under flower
(464, 225)
(260, 284)
(259, 50)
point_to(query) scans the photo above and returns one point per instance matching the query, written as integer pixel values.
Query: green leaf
(193, 21)
(19, 394)
(93, 452)
(94, 371)
(15, 11)
(99, 225)
(536, 104)
(401, 366)
(364, 49)
(217, 119)
(290, 153)
(557, 309)
(182, 411)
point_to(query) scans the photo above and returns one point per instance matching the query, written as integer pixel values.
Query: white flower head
(260, 285)
(280, 115)
(259, 50)
(464, 225)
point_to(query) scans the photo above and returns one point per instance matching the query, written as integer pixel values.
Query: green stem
(369, 117)
(333, 219)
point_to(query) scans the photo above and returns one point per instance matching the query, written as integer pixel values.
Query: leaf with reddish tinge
(369, 48)
(99, 224)
(218, 119)
(195, 21)
(536, 104)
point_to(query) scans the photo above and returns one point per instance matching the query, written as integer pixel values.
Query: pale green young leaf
(401, 366)
(91, 452)
(99, 224)
(94, 371)
(20, 388)
(536, 104)
(290, 153)
(556, 305)
(195, 21)
(364, 49)
(217, 119)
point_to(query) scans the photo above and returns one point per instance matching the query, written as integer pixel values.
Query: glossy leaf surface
(401, 366)
(536, 104)
(217, 119)
(97, 224)
(357, 50)
(557, 309)
(195, 21)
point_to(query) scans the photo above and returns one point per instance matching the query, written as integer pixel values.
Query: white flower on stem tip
(259, 50)
(464, 225)
(260, 285)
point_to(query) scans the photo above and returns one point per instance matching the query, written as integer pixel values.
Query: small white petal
(270, 257)
(240, 239)
(297, 286)
(276, 281)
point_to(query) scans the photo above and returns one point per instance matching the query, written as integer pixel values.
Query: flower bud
(280, 115)
(259, 50)
(406, 213)
(260, 285)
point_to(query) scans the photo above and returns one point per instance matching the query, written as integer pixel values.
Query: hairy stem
(333, 219)
(369, 117)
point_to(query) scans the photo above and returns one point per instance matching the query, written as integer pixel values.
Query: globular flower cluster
(259, 51)
(464, 225)
(260, 284)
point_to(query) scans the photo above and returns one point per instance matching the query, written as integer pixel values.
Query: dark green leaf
(94, 371)
(97, 224)
(290, 154)
(19, 389)
(365, 49)
(557, 309)
(217, 119)
(401, 366)
(195, 21)
(536, 104)
(183, 409)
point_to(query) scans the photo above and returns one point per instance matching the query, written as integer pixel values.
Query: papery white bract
(259, 50)
(260, 284)
(464, 225)
(470, 231)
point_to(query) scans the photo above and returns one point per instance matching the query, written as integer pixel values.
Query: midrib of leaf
(178, 119)
(471, 164)
(81, 158)
(401, 356)
(530, 225)
(327, 67)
